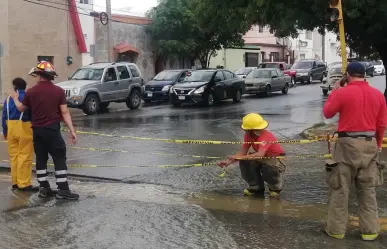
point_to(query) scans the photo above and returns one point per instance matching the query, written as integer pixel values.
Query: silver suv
(97, 85)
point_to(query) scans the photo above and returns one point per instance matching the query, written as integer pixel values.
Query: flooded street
(183, 207)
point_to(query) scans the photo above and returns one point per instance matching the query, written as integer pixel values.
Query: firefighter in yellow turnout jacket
(18, 133)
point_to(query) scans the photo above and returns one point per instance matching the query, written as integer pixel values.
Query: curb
(6, 168)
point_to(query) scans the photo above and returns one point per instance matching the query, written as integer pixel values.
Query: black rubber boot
(30, 189)
(66, 195)
(46, 192)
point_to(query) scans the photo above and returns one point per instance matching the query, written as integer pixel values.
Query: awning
(125, 47)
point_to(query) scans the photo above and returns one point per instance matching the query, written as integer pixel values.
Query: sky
(128, 7)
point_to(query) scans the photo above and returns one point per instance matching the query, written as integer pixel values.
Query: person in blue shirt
(17, 131)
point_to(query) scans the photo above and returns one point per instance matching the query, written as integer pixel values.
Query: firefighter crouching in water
(257, 172)
(18, 133)
(355, 156)
(48, 106)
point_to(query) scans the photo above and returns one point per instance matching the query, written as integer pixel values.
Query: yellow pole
(343, 45)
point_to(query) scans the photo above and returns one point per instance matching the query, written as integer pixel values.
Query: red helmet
(44, 68)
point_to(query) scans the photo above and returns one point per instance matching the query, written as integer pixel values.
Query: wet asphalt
(183, 207)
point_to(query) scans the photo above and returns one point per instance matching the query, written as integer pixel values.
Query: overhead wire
(67, 10)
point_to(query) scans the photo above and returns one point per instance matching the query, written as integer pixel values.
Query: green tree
(189, 28)
(365, 20)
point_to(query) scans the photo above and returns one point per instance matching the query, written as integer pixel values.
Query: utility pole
(109, 31)
(337, 16)
(323, 47)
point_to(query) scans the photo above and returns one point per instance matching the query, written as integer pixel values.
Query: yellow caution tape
(183, 165)
(291, 156)
(184, 141)
(133, 166)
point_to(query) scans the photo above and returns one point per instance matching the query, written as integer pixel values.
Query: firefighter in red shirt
(257, 172)
(362, 122)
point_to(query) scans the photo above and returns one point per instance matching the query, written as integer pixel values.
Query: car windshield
(167, 76)
(269, 65)
(264, 74)
(333, 64)
(243, 71)
(302, 65)
(198, 76)
(335, 70)
(378, 63)
(88, 74)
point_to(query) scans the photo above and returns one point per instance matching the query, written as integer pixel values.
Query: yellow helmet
(254, 121)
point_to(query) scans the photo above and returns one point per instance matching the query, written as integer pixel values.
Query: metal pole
(109, 31)
(343, 45)
(323, 48)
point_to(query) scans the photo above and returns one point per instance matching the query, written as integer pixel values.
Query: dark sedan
(158, 87)
(207, 86)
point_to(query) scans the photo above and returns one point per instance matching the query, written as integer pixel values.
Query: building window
(275, 55)
(84, 1)
(302, 56)
(308, 35)
(46, 58)
(260, 29)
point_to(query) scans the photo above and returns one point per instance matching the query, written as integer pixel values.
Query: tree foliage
(192, 29)
(365, 20)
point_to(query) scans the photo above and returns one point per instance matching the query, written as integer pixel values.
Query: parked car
(207, 86)
(277, 65)
(265, 80)
(329, 66)
(241, 73)
(370, 69)
(334, 74)
(97, 85)
(158, 87)
(307, 71)
(379, 67)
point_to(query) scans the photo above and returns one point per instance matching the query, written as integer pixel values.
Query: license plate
(181, 97)
(150, 95)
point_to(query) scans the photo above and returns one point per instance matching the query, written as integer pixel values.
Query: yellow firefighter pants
(21, 151)
(355, 161)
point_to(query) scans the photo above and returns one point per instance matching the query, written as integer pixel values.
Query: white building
(88, 29)
(308, 45)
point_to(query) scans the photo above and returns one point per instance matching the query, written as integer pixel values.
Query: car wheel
(267, 91)
(91, 104)
(310, 80)
(325, 92)
(176, 104)
(293, 82)
(285, 89)
(134, 100)
(104, 105)
(237, 96)
(210, 100)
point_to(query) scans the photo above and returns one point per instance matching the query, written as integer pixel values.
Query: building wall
(331, 48)
(5, 72)
(87, 23)
(40, 31)
(133, 34)
(259, 34)
(232, 58)
(262, 36)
